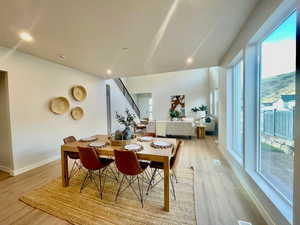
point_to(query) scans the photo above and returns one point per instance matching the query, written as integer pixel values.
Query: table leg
(167, 185)
(64, 169)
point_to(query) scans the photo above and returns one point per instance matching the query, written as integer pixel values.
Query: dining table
(149, 153)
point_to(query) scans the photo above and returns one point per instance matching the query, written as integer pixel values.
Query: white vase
(202, 114)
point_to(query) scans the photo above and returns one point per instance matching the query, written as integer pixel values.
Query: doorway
(6, 162)
(144, 102)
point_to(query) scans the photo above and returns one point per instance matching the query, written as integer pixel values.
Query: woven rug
(87, 208)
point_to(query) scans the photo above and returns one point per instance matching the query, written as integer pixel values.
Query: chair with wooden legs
(157, 167)
(132, 170)
(91, 161)
(76, 167)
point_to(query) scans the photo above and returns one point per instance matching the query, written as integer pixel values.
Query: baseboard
(35, 165)
(244, 180)
(5, 169)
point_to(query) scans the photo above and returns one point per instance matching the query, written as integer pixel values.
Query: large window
(238, 108)
(276, 109)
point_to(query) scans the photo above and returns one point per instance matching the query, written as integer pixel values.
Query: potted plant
(125, 136)
(173, 113)
(200, 111)
(203, 110)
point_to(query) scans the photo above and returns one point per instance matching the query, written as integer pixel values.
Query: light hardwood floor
(3, 175)
(219, 196)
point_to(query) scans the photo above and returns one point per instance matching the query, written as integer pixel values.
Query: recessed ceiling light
(25, 36)
(189, 60)
(109, 72)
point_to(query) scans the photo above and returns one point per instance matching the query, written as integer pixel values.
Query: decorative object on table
(133, 147)
(97, 144)
(124, 137)
(178, 104)
(174, 114)
(59, 105)
(200, 111)
(77, 113)
(79, 93)
(210, 124)
(160, 144)
(88, 139)
(128, 122)
(145, 139)
(208, 120)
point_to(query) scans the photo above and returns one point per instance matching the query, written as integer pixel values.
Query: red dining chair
(76, 167)
(158, 166)
(128, 164)
(150, 134)
(91, 161)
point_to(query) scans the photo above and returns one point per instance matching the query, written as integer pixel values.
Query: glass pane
(238, 109)
(277, 98)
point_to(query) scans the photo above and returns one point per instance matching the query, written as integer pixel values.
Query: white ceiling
(159, 34)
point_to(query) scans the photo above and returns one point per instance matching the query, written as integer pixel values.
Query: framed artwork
(178, 103)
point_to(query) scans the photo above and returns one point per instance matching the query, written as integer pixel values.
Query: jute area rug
(87, 208)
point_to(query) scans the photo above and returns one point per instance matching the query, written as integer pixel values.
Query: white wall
(191, 83)
(257, 18)
(36, 132)
(118, 104)
(142, 101)
(5, 131)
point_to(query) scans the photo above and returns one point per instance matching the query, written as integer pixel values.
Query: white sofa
(175, 128)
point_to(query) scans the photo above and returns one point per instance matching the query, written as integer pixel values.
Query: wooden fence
(278, 123)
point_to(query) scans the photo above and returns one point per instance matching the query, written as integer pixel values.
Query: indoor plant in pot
(125, 136)
(173, 113)
(200, 112)
(203, 110)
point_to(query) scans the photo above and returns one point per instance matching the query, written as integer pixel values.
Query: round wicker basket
(77, 113)
(79, 93)
(59, 105)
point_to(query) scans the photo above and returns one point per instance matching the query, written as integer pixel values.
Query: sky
(279, 49)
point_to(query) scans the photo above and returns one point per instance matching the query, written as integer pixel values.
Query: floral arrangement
(128, 122)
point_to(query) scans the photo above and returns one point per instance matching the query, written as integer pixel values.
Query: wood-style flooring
(220, 198)
(3, 175)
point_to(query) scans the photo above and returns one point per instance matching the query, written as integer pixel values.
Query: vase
(127, 133)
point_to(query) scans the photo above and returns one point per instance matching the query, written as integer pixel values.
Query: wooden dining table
(162, 155)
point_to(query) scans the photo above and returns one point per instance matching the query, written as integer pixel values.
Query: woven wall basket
(59, 105)
(79, 93)
(77, 113)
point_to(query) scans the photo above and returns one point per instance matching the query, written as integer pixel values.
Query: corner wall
(36, 132)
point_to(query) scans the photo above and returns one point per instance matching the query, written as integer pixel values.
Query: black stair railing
(128, 96)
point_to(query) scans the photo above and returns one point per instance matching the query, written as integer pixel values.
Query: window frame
(258, 110)
(235, 112)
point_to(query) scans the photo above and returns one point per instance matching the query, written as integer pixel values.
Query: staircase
(128, 96)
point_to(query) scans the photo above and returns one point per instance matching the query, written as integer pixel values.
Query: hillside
(272, 88)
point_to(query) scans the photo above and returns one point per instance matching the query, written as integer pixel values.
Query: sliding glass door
(276, 108)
